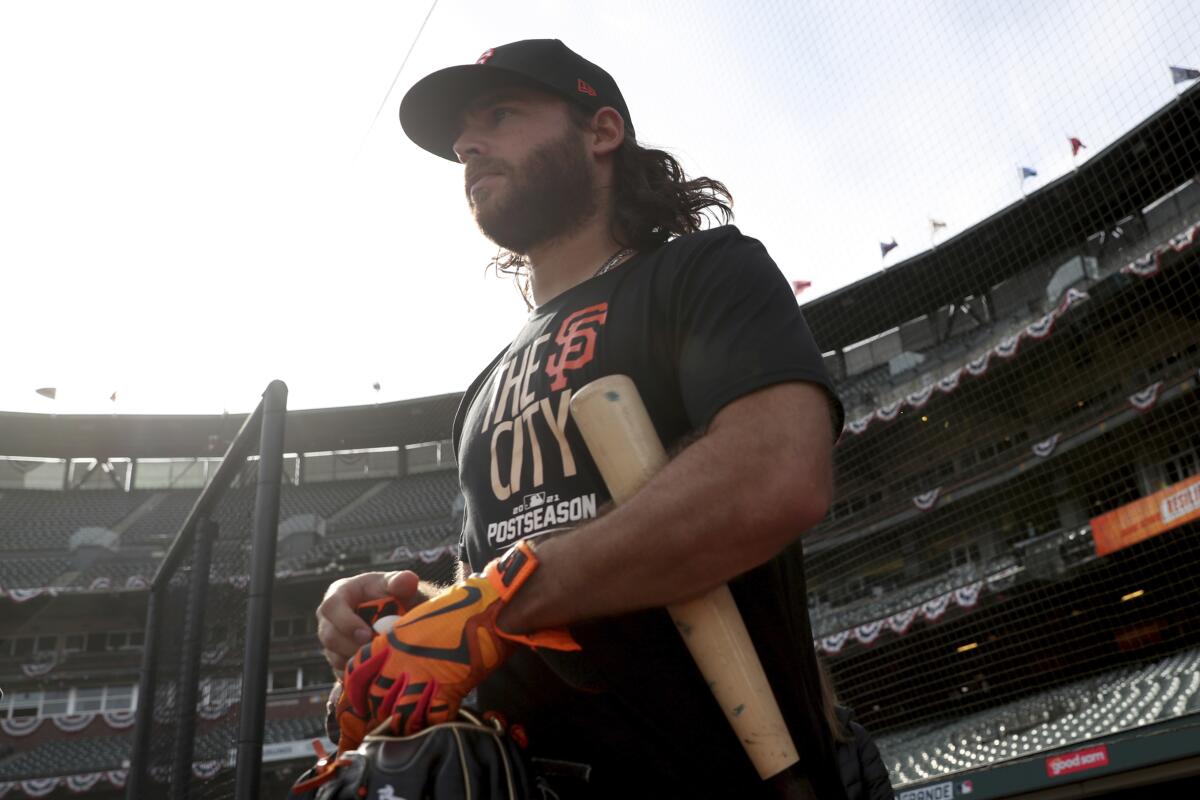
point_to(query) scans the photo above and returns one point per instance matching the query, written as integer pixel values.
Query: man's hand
(418, 672)
(341, 629)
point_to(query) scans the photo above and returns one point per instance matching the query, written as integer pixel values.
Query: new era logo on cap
(584, 87)
(483, 59)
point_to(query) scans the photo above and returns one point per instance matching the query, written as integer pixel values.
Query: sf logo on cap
(483, 59)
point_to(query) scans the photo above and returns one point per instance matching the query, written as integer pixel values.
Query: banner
(1147, 517)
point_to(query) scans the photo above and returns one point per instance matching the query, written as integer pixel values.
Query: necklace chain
(613, 261)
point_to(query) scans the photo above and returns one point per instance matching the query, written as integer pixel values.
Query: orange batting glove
(417, 673)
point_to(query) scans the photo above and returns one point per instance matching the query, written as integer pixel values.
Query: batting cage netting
(203, 685)
(1010, 566)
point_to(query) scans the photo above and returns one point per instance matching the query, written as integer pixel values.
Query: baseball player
(559, 623)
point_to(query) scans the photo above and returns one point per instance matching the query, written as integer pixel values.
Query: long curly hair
(653, 202)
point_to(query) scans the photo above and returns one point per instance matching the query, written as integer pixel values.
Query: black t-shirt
(696, 323)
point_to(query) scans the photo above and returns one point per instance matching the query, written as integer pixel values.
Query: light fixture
(965, 647)
(1132, 595)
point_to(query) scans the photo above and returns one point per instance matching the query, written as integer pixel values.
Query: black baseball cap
(429, 112)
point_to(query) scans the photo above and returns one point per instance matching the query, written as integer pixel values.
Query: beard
(550, 192)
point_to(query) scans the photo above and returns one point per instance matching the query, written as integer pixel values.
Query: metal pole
(189, 668)
(258, 605)
(135, 784)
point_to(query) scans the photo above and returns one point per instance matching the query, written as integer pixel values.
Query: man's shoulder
(711, 248)
(717, 236)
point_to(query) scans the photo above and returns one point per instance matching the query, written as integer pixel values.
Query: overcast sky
(195, 199)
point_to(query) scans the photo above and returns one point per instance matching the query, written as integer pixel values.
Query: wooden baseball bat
(626, 448)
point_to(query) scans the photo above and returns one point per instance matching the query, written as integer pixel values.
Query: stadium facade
(1004, 592)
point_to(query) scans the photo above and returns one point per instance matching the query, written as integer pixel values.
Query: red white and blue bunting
(931, 610)
(1149, 265)
(927, 500)
(20, 727)
(37, 669)
(1006, 348)
(1044, 448)
(1144, 400)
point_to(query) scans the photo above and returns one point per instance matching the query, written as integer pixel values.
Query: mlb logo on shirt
(534, 500)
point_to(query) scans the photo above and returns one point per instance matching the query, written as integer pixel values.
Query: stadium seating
(35, 520)
(1066, 715)
(77, 754)
(410, 499)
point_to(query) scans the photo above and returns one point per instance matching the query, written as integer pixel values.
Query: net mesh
(1010, 563)
(210, 772)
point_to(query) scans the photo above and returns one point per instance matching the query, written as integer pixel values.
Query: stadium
(978, 592)
(1005, 590)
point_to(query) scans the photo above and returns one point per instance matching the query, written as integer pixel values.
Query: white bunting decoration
(834, 643)
(1045, 447)
(120, 720)
(401, 553)
(967, 596)
(215, 653)
(136, 582)
(927, 500)
(73, 723)
(1040, 329)
(978, 366)
(950, 382)
(117, 777)
(1143, 267)
(18, 727)
(1145, 399)
(431, 555)
(889, 412)
(1007, 348)
(935, 607)
(6, 787)
(901, 621)
(39, 787)
(1148, 265)
(25, 595)
(211, 711)
(868, 632)
(859, 425)
(205, 769)
(920, 398)
(1072, 298)
(81, 783)
(39, 668)
(99, 584)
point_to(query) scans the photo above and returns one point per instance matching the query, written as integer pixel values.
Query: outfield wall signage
(1077, 761)
(1147, 517)
(938, 791)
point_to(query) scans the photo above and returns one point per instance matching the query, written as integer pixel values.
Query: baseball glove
(473, 756)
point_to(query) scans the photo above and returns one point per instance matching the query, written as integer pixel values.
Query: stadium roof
(1157, 156)
(425, 419)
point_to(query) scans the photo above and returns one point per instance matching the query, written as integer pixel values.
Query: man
(620, 280)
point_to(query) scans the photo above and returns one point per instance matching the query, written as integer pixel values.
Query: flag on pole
(887, 247)
(48, 392)
(1076, 145)
(1181, 74)
(113, 397)
(1028, 172)
(800, 286)
(936, 224)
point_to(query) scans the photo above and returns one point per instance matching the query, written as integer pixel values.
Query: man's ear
(607, 131)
